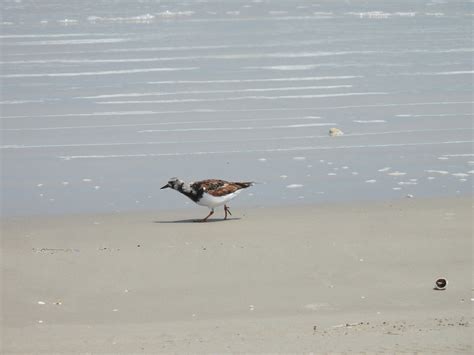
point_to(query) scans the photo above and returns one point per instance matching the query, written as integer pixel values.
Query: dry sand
(346, 278)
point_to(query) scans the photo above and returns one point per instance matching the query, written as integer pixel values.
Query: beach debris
(409, 196)
(347, 325)
(251, 307)
(55, 250)
(40, 321)
(397, 173)
(333, 132)
(41, 302)
(115, 310)
(58, 303)
(441, 284)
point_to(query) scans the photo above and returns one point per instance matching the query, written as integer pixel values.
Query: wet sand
(347, 278)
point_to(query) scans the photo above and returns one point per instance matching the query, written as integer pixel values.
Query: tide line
(290, 88)
(212, 110)
(239, 98)
(227, 140)
(204, 129)
(107, 72)
(271, 150)
(159, 124)
(228, 81)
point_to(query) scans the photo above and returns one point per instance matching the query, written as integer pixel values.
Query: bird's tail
(244, 185)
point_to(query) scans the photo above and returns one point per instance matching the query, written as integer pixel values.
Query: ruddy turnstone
(210, 193)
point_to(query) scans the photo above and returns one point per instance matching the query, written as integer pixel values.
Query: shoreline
(348, 277)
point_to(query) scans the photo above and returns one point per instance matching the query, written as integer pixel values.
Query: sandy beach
(322, 278)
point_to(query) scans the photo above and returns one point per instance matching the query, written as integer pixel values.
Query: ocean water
(103, 100)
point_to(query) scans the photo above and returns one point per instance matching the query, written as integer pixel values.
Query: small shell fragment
(333, 132)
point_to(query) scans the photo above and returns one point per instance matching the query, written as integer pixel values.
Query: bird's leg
(226, 210)
(209, 215)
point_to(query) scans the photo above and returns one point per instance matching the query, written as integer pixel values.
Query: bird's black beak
(165, 187)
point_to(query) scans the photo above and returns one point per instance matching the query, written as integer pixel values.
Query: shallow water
(103, 101)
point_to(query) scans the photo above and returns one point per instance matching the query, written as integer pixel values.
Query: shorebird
(211, 193)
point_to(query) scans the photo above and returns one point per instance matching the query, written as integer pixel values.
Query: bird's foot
(227, 211)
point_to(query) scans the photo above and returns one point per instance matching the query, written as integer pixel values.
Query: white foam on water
(459, 155)
(384, 169)
(103, 144)
(407, 183)
(57, 35)
(195, 57)
(269, 150)
(299, 158)
(228, 81)
(290, 88)
(442, 172)
(294, 186)
(68, 42)
(20, 102)
(148, 112)
(199, 129)
(240, 98)
(309, 118)
(435, 115)
(397, 173)
(369, 121)
(460, 72)
(371, 181)
(460, 174)
(105, 72)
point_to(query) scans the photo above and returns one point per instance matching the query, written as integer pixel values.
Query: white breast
(215, 201)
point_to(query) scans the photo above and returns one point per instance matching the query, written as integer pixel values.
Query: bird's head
(173, 183)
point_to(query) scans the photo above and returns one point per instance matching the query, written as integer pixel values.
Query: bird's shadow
(199, 221)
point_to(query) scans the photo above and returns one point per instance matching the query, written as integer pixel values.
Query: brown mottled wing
(216, 187)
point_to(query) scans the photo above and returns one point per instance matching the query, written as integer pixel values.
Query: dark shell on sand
(441, 284)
